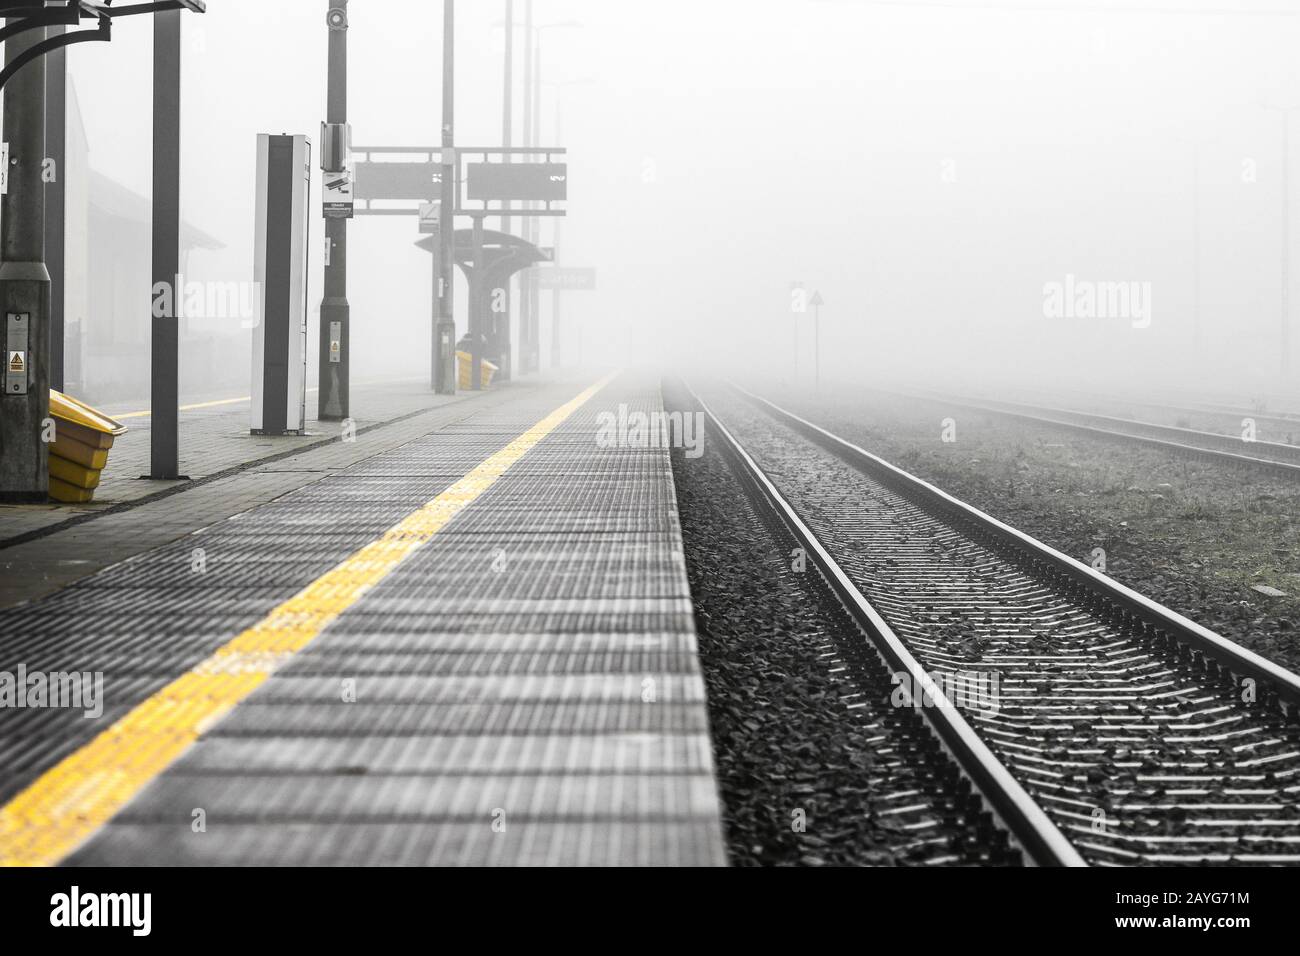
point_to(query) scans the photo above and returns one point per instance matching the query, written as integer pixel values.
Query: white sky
(720, 150)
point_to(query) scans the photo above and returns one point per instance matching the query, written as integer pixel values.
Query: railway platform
(466, 640)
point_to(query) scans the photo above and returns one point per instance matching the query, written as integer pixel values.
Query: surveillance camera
(337, 19)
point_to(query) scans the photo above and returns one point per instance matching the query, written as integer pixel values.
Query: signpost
(418, 185)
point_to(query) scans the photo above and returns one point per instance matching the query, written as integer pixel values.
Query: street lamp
(530, 312)
(1285, 323)
(334, 355)
(529, 305)
(556, 226)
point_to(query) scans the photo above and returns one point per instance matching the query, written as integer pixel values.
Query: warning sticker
(17, 363)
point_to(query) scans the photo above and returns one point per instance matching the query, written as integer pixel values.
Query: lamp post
(334, 365)
(501, 323)
(557, 227)
(1284, 324)
(444, 333)
(530, 305)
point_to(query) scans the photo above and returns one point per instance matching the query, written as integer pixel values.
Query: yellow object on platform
(79, 452)
(465, 376)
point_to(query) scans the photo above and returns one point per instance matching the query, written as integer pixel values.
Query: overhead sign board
(398, 180)
(567, 279)
(538, 182)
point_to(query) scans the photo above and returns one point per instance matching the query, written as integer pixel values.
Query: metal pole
(794, 351)
(535, 224)
(476, 309)
(525, 298)
(56, 85)
(1196, 250)
(817, 347)
(164, 424)
(1285, 339)
(555, 236)
(334, 378)
(24, 283)
(444, 337)
(501, 322)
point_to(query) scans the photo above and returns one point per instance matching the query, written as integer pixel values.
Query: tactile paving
(522, 689)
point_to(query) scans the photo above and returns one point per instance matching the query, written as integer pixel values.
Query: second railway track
(1276, 458)
(1141, 737)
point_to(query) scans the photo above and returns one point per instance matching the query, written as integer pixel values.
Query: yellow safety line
(185, 408)
(70, 801)
(248, 398)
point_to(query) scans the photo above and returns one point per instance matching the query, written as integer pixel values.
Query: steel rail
(1276, 687)
(1041, 842)
(1046, 416)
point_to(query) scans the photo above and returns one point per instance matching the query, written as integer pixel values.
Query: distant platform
(474, 647)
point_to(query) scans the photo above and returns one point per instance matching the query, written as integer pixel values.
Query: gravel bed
(1063, 701)
(1196, 536)
(799, 709)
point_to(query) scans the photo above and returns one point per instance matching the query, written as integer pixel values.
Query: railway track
(1275, 457)
(1289, 419)
(1230, 418)
(1279, 421)
(1104, 728)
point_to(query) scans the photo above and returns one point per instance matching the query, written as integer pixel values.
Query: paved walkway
(44, 547)
(475, 646)
(214, 439)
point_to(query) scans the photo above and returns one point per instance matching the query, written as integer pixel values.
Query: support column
(56, 84)
(24, 283)
(477, 314)
(501, 321)
(444, 333)
(164, 379)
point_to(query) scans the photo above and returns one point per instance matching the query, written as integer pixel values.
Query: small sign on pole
(430, 217)
(4, 169)
(338, 195)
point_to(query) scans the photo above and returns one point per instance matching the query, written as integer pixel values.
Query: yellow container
(79, 452)
(465, 370)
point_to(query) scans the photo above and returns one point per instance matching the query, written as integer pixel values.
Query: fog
(957, 179)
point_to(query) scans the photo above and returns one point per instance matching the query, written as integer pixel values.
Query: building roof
(111, 198)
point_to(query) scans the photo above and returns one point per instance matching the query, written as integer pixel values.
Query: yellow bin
(465, 365)
(82, 439)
